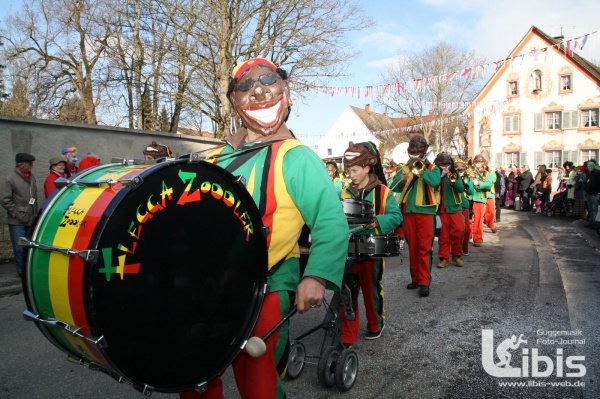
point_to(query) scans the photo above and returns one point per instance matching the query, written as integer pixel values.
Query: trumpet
(417, 165)
(452, 177)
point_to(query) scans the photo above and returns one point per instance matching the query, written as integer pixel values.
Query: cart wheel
(296, 360)
(346, 370)
(326, 366)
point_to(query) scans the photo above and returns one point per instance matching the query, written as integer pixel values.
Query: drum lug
(241, 180)
(99, 343)
(201, 388)
(89, 255)
(194, 158)
(266, 231)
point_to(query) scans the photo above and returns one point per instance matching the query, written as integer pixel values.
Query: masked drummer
(291, 187)
(418, 202)
(368, 184)
(484, 208)
(450, 210)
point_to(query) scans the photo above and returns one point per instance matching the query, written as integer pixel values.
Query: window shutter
(570, 120)
(499, 159)
(538, 159)
(565, 157)
(522, 159)
(574, 119)
(539, 122)
(515, 120)
(507, 123)
(573, 157)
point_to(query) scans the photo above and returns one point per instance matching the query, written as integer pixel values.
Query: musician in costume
(467, 202)
(363, 162)
(418, 202)
(450, 210)
(334, 174)
(290, 187)
(483, 199)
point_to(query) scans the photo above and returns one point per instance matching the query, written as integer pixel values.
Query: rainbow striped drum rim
(154, 274)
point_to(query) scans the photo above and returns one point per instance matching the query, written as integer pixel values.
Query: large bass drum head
(179, 281)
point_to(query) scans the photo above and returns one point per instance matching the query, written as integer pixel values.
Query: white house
(354, 124)
(540, 107)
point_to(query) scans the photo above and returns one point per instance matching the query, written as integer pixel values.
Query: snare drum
(374, 246)
(357, 211)
(152, 274)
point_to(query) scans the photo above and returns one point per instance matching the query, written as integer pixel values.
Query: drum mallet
(256, 346)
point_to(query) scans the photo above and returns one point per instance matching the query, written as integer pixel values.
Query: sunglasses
(267, 80)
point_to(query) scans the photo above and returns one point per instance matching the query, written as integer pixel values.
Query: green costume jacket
(485, 189)
(451, 195)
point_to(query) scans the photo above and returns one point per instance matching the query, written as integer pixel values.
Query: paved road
(538, 277)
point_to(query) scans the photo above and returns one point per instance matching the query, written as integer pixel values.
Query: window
(586, 155)
(553, 120)
(511, 124)
(512, 159)
(553, 159)
(589, 117)
(513, 89)
(566, 83)
(329, 151)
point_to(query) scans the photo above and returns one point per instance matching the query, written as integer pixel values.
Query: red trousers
(468, 230)
(418, 230)
(478, 213)
(258, 378)
(452, 235)
(490, 213)
(367, 276)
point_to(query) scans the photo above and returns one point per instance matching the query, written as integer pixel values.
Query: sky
(490, 27)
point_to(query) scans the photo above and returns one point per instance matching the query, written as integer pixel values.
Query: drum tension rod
(89, 255)
(99, 343)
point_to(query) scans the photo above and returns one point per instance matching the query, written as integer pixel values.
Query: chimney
(368, 108)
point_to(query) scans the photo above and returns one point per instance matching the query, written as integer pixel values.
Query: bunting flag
(388, 91)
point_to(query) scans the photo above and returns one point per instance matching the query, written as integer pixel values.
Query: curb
(11, 289)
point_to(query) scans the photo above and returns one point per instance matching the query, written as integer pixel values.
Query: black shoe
(494, 231)
(371, 335)
(412, 286)
(424, 290)
(466, 253)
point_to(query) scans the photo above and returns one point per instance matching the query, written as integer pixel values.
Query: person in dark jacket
(523, 187)
(18, 195)
(592, 191)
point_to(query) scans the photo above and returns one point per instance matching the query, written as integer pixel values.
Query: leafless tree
(433, 93)
(64, 41)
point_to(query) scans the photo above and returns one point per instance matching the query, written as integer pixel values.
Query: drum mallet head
(256, 347)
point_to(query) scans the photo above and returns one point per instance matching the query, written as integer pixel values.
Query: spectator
(536, 186)
(579, 208)
(18, 195)
(70, 156)
(592, 192)
(499, 191)
(526, 179)
(58, 166)
(89, 161)
(511, 188)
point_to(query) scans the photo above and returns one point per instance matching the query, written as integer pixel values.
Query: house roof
(373, 121)
(558, 45)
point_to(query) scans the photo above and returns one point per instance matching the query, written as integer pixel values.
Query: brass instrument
(472, 171)
(452, 177)
(417, 165)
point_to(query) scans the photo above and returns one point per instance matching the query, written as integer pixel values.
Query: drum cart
(336, 364)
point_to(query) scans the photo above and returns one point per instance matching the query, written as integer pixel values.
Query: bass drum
(152, 274)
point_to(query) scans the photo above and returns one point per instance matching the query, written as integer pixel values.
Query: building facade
(540, 107)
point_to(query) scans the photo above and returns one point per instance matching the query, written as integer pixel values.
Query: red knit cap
(245, 65)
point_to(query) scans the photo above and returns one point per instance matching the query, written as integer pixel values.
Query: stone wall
(45, 140)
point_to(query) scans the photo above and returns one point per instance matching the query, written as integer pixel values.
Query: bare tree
(433, 92)
(65, 40)
(17, 103)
